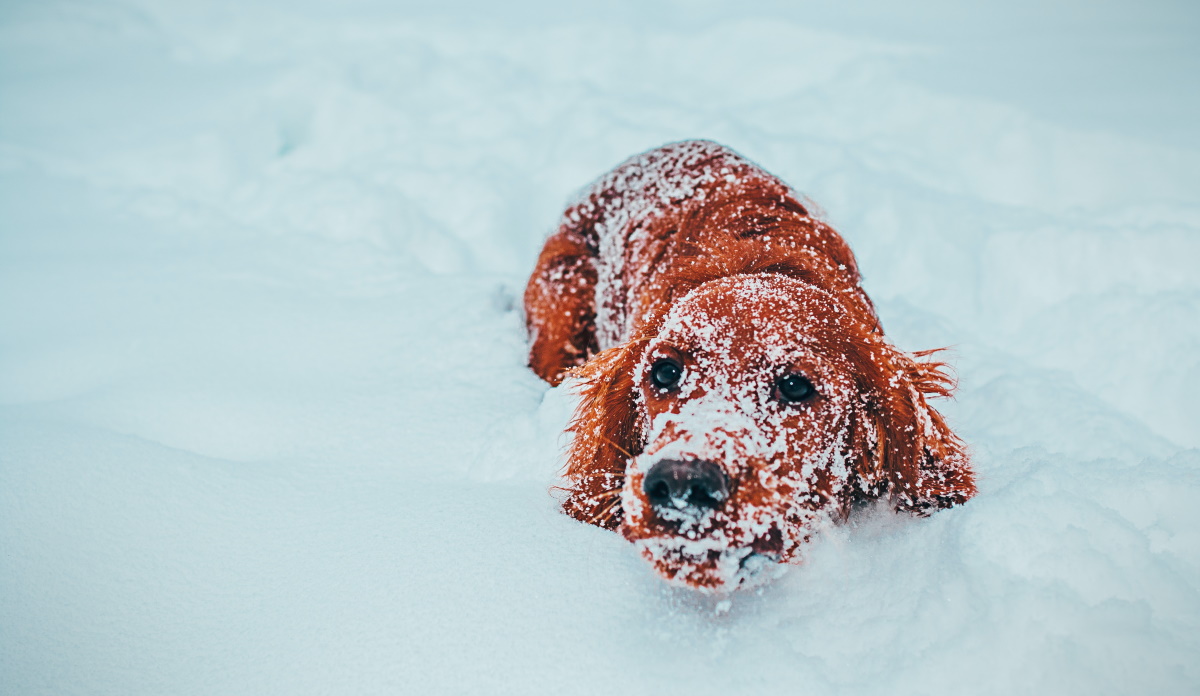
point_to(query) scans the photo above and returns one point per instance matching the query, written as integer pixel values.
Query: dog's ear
(901, 444)
(606, 435)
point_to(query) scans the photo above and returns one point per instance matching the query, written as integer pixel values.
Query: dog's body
(737, 391)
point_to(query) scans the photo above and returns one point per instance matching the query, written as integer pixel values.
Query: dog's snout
(698, 484)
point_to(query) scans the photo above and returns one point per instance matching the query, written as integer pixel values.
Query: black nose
(697, 484)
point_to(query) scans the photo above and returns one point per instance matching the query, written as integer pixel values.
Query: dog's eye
(665, 373)
(794, 388)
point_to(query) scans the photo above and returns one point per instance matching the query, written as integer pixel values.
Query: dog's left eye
(665, 373)
(794, 388)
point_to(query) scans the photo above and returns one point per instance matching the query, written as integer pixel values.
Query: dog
(736, 390)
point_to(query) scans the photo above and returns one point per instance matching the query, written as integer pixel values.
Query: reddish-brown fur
(692, 232)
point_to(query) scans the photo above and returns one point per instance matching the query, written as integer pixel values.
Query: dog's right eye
(794, 388)
(665, 373)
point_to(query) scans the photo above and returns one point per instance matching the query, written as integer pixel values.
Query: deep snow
(265, 425)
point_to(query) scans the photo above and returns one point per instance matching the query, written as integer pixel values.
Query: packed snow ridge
(265, 422)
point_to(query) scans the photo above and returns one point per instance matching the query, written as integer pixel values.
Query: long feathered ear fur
(606, 435)
(902, 445)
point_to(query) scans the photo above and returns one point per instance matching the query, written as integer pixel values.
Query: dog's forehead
(752, 313)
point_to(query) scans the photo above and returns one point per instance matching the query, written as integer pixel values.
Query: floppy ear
(607, 435)
(903, 444)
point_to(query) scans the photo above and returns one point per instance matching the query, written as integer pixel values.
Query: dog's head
(760, 409)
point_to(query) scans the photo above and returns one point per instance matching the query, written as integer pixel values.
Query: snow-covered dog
(737, 391)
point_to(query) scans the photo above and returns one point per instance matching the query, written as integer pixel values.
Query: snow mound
(265, 424)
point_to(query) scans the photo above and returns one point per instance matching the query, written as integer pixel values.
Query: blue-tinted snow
(265, 425)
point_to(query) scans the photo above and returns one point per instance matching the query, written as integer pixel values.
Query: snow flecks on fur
(736, 339)
(696, 255)
(625, 204)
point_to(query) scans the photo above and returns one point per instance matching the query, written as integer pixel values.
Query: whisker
(617, 447)
(610, 493)
(605, 512)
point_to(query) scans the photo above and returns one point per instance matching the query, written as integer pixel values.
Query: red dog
(737, 392)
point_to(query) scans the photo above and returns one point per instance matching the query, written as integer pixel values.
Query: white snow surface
(265, 422)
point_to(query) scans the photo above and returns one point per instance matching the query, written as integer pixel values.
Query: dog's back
(643, 234)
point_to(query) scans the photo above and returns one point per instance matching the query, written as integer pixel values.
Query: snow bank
(265, 425)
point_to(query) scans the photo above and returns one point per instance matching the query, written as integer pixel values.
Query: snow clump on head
(736, 339)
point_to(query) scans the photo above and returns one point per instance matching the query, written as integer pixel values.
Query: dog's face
(746, 400)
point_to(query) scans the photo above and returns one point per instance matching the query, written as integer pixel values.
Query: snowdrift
(265, 424)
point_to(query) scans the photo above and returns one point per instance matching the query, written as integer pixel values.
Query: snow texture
(740, 335)
(265, 423)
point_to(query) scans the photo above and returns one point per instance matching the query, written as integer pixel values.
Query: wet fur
(743, 222)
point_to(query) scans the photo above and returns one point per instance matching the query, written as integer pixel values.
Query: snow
(265, 424)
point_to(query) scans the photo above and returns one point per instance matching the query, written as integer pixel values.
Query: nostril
(703, 496)
(696, 484)
(659, 492)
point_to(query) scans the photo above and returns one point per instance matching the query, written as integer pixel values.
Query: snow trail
(265, 424)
